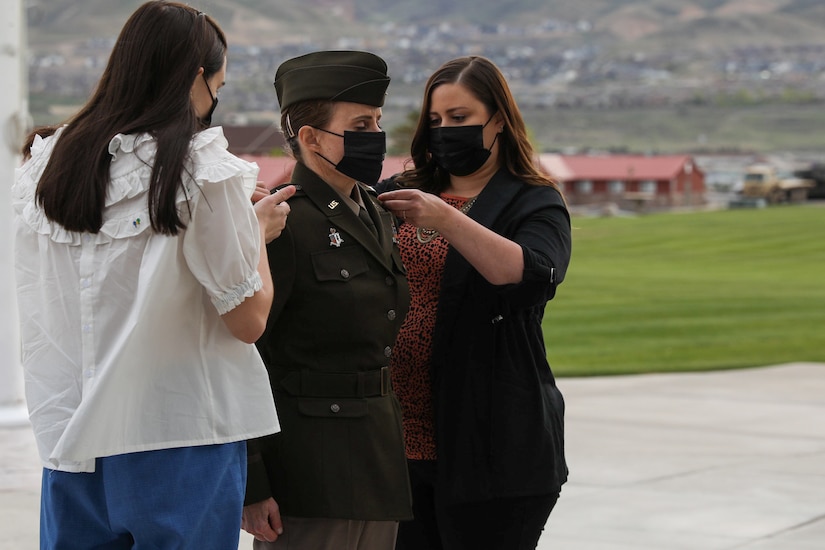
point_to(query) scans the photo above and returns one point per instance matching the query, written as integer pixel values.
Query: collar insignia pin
(332, 205)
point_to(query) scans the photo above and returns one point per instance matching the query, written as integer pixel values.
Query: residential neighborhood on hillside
(551, 62)
(632, 56)
(543, 76)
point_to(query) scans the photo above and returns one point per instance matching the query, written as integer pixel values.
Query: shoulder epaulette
(298, 189)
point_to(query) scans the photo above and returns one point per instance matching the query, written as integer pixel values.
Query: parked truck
(762, 181)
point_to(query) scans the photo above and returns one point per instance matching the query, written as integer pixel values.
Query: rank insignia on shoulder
(298, 188)
(335, 238)
(332, 205)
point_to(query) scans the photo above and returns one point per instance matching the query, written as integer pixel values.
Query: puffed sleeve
(222, 243)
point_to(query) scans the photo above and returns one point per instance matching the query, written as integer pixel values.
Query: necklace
(425, 235)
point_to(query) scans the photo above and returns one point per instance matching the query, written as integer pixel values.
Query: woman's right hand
(262, 520)
(272, 212)
(417, 207)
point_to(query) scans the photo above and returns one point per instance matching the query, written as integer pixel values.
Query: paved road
(728, 460)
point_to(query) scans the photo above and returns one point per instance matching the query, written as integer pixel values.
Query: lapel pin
(335, 238)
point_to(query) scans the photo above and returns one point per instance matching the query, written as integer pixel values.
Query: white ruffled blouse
(123, 347)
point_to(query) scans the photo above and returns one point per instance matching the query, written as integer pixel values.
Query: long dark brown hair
(484, 80)
(145, 88)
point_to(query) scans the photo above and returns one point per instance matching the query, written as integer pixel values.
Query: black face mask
(363, 155)
(207, 120)
(460, 149)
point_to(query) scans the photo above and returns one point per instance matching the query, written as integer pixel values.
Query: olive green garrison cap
(358, 77)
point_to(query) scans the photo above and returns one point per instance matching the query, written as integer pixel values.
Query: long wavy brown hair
(486, 82)
(145, 88)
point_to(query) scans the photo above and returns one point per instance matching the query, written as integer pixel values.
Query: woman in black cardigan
(485, 238)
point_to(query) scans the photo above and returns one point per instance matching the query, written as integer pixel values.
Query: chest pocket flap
(340, 264)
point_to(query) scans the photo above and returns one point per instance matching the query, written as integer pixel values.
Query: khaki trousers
(332, 534)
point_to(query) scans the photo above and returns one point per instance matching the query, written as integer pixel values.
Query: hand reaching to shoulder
(417, 207)
(260, 192)
(272, 211)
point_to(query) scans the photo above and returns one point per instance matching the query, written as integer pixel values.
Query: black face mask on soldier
(460, 149)
(363, 155)
(207, 120)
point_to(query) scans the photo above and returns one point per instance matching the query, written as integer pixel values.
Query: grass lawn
(695, 291)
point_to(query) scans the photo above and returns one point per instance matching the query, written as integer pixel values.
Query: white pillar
(14, 117)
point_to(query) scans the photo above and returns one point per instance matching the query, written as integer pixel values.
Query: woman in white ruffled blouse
(142, 283)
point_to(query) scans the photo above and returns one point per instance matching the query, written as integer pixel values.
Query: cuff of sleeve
(537, 268)
(232, 299)
(257, 481)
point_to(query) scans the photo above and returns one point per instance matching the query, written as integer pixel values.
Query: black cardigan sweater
(499, 417)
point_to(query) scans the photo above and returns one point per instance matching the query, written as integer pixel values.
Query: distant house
(260, 139)
(631, 181)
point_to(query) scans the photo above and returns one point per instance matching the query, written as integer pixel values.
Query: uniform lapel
(380, 248)
(385, 223)
(328, 201)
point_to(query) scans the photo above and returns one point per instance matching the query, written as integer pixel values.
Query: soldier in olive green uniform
(336, 475)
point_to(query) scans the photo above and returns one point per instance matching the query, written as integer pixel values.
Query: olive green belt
(307, 383)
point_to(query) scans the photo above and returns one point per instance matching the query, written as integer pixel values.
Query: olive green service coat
(340, 298)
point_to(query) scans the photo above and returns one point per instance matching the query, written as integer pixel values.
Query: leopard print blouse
(410, 362)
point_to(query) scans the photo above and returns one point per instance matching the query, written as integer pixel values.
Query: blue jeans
(190, 497)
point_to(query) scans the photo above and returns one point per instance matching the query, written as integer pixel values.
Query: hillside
(617, 74)
(254, 22)
(646, 25)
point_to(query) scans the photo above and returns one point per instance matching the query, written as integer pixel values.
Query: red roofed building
(629, 180)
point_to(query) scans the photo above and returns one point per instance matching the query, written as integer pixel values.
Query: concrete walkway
(720, 460)
(707, 461)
